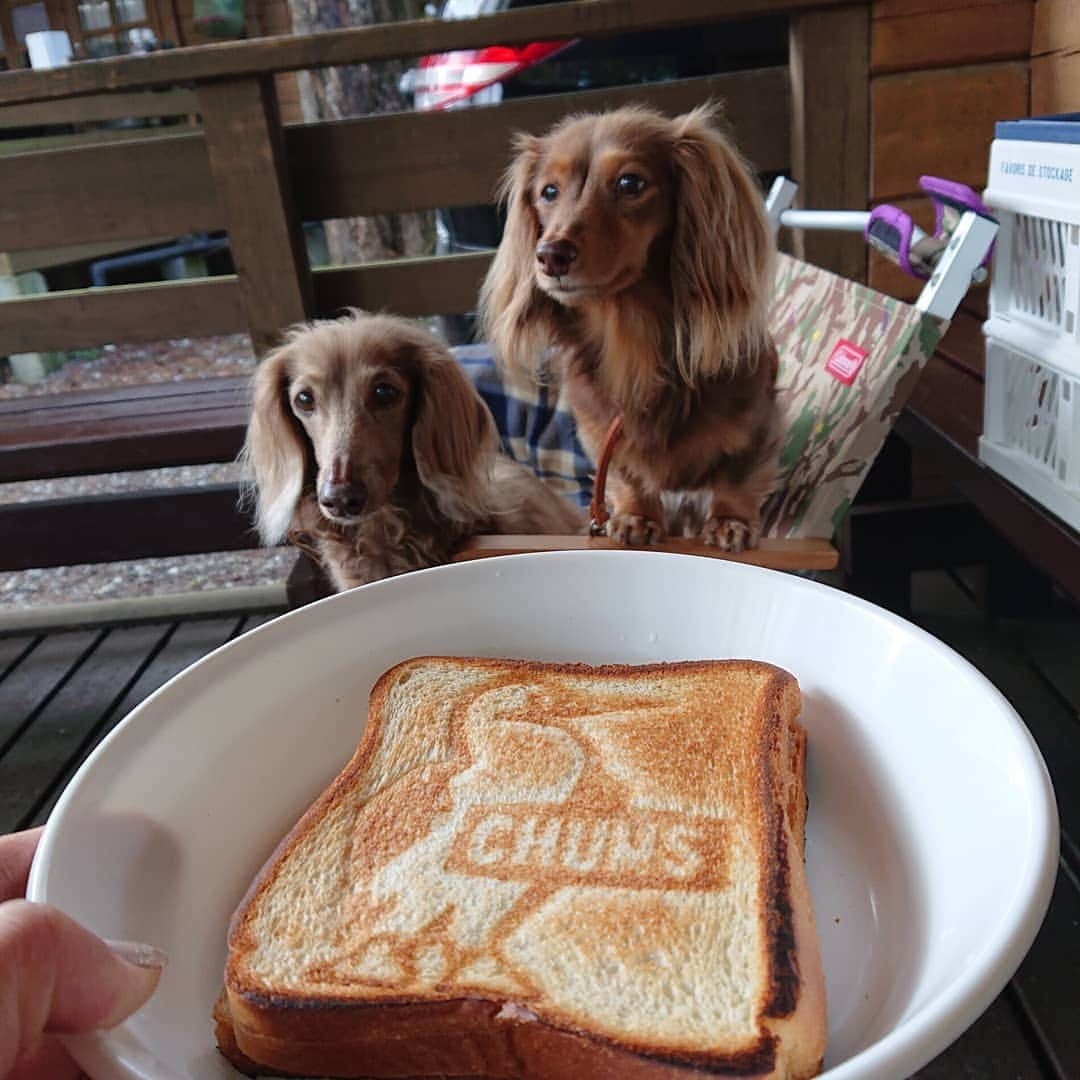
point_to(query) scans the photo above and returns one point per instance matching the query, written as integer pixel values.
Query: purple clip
(889, 230)
(949, 194)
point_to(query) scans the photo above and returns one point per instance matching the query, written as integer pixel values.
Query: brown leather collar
(598, 508)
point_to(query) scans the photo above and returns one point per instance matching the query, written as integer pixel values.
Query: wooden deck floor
(62, 691)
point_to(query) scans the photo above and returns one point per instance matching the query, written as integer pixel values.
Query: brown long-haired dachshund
(369, 447)
(638, 256)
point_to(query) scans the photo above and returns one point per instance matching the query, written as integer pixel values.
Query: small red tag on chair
(845, 360)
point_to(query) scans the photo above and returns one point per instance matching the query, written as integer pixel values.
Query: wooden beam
(806, 554)
(100, 107)
(830, 63)
(392, 41)
(247, 158)
(33, 144)
(411, 287)
(140, 525)
(154, 312)
(157, 186)
(19, 262)
(424, 160)
(454, 158)
(81, 318)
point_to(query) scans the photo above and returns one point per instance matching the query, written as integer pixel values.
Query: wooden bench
(115, 430)
(243, 171)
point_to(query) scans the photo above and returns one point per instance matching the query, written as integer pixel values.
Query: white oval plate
(932, 836)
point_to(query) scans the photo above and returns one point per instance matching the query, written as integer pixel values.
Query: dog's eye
(385, 393)
(304, 400)
(630, 184)
(549, 193)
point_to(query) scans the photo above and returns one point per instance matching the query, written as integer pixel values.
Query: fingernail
(139, 953)
(143, 965)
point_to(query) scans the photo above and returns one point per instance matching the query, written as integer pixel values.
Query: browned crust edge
(776, 895)
(507, 1047)
(784, 982)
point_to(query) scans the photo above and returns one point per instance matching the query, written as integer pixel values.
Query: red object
(449, 78)
(845, 361)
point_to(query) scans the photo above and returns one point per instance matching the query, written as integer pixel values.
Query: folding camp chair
(849, 359)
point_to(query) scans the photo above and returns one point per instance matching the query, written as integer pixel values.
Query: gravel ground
(163, 361)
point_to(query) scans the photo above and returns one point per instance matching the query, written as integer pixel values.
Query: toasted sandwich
(543, 872)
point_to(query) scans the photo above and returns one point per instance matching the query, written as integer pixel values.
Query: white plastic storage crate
(1032, 417)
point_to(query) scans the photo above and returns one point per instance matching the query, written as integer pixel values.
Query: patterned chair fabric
(849, 360)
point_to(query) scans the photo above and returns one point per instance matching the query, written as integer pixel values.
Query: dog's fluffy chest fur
(676, 436)
(383, 544)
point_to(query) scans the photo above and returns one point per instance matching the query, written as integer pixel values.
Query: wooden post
(359, 90)
(244, 141)
(830, 128)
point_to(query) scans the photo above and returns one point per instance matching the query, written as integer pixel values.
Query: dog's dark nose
(343, 499)
(556, 256)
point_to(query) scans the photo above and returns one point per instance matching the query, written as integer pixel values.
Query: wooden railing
(245, 172)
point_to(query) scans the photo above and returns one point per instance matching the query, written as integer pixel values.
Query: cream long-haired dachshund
(637, 256)
(369, 447)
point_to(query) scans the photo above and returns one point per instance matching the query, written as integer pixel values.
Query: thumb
(55, 977)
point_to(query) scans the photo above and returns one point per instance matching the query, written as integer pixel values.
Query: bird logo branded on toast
(460, 866)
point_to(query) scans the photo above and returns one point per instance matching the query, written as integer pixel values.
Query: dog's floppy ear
(276, 451)
(721, 260)
(510, 302)
(453, 436)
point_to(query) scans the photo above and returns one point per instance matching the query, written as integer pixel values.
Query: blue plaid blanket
(536, 427)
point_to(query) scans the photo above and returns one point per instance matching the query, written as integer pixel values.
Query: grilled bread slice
(543, 871)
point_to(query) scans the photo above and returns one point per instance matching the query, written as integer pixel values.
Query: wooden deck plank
(39, 674)
(1042, 995)
(183, 644)
(1054, 649)
(994, 1048)
(1046, 541)
(1046, 983)
(13, 650)
(68, 723)
(196, 390)
(1052, 725)
(254, 621)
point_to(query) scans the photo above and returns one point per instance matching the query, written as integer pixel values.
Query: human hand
(55, 976)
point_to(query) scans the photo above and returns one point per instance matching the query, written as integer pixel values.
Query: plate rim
(909, 1045)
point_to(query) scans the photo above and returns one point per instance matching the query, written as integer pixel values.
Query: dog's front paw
(730, 534)
(634, 529)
